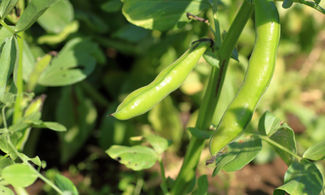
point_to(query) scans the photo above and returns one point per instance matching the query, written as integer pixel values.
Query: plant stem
(210, 99)
(19, 79)
(27, 163)
(7, 26)
(163, 178)
(270, 141)
(311, 4)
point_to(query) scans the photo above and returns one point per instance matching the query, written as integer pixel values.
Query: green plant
(257, 79)
(74, 61)
(258, 76)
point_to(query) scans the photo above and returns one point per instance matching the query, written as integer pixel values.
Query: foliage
(66, 64)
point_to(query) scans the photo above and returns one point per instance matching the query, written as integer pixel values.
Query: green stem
(210, 99)
(19, 79)
(7, 26)
(270, 141)
(36, 172)
(311, 4)
(14, 149)
(163, 178)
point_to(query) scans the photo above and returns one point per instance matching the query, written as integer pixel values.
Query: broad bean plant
(71, 52)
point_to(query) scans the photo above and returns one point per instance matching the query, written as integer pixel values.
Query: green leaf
(6, 191)
(111, 6)
(135, 157)
(221, 161)
(165, 119)
(54, 126)
(131, 33)
(210, 58)
(161, 14)
(78, 114)
(244, 151)
(4, 162)
(285, 137)
(202, 186)
(316, 151)
(199, 133)
(301, 178)
(92, 21)
(29, 61)
(73, 64)
(6, 6)
(8, 60)
(287, 4)
(37, 71)
(53, 39)
(158, 143)
(32, 12)
(5, 34)
(19, 175)
(57, 17)
(268, 123)
(65, 185)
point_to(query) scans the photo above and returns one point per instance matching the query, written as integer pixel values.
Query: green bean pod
(258, 76)
(168, 80)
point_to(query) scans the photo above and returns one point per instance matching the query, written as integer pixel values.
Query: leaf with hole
(135, 157)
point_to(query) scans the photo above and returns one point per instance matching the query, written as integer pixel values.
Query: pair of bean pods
(240, 111)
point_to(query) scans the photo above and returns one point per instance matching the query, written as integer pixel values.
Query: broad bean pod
(168, 80)
(258, 76)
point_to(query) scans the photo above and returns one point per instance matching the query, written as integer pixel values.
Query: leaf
(301, 178)
(199, 133)
(78, 114)
(111, 6)
(135, 157)
(316, 151)
(285, 137)
(73, 64)
(4, 34)
(92, 21)
(65, 185)
(29, 61)
(113, 131)
(37, 71)
(131, 33)
(19, 175)
(161, 14)
(268, 123)
(53, 39)
(210, 58)
(53, 126)
(8, 60)
(287, 4)
(32, 12)
(239, 154)
(202, 186)
(158, 143)
(165, 119)
(6, 191)
(57, 17)
(6, 6)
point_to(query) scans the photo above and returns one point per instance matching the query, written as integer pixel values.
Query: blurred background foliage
(119, 57)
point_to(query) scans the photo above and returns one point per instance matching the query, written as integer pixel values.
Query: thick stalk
(210, 99)
(19, 79)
